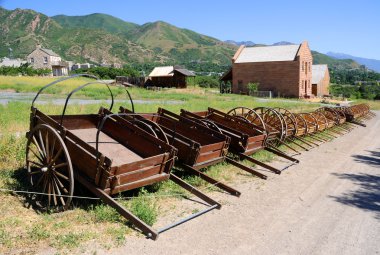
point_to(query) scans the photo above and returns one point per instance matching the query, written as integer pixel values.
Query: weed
(144, 208)
(70, 240)
(38, 232)
(118, 234)
(105, 213)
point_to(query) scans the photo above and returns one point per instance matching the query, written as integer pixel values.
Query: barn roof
(268, 53)
(184, 72)
(318, 72)
(50, 52)
(162, 71)
(168, 71)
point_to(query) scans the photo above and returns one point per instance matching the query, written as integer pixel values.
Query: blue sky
(350, 27)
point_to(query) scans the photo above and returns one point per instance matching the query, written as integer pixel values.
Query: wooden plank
(139, 174)
(140, 183)
(148, 162)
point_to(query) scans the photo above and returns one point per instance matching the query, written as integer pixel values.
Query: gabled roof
(168, 71)
(268, 53)
(318, 72)
(184, 72)
(162, 71)
(50, 52)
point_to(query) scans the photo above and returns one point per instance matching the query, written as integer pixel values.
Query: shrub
(253, 87)
(206, 81)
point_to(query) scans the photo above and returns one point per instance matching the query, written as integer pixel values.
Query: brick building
(320, 81)
(45, 58)
(285, 70)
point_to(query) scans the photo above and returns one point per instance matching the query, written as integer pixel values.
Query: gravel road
(328, 204)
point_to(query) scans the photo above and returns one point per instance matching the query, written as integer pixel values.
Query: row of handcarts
(110, 153)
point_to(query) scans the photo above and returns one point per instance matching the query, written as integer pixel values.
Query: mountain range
(101, 38)
(373, 64)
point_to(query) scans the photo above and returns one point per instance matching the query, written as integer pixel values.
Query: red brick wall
(279, 77)
(305, 60)
(284, 78)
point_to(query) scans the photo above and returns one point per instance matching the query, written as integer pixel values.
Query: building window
(309, 66)
(45, 60)
(303, 65)
(240, 85)
(31, 60)
(303, 86)
(306, 67)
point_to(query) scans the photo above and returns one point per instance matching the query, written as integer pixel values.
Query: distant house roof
(12, 62)
(184, 72)
(268, 53)
(168, 71)
(50, 52)
(318, 72)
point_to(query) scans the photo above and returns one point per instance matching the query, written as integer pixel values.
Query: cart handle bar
(81, 87)
(60, 80)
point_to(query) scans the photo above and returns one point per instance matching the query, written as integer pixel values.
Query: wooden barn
(285, 70)
(320, 81)
(169, 76)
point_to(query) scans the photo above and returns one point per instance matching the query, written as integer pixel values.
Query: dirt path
(328, 204)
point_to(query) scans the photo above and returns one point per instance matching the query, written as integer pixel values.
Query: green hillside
(98, 38)
(96, 21)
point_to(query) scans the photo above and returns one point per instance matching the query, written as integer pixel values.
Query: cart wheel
(248, 115)
(274, 123)
(49, 168)
(289, 120)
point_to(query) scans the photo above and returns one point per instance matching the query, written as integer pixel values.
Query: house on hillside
(285, 70)
(45, 58)
(11, 62)
(320, 80)
(169, 76)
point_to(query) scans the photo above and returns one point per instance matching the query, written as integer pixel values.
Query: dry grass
(26, 230)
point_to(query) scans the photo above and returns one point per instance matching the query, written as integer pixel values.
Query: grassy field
(25, 229)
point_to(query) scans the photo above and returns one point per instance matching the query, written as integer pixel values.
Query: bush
(205, 81)
(109, 72)
(24, 70)
(253, 87)
(364, 91)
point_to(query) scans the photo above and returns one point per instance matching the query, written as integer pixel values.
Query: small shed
(169, 76)
(320, 80)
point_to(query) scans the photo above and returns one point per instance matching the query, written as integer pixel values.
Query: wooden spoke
(52, 148)
(38, 147)
(36, 172)
(60, 165)
(42, 143)
(49, 191)
(35, 154)
(58, 181)
(61, 175)
(53, 190)
(58, 190)
(56, 157)
(49, 168)
(35, 163)
(47, 147)
(40, 179)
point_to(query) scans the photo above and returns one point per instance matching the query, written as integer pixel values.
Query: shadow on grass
(366, 196)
